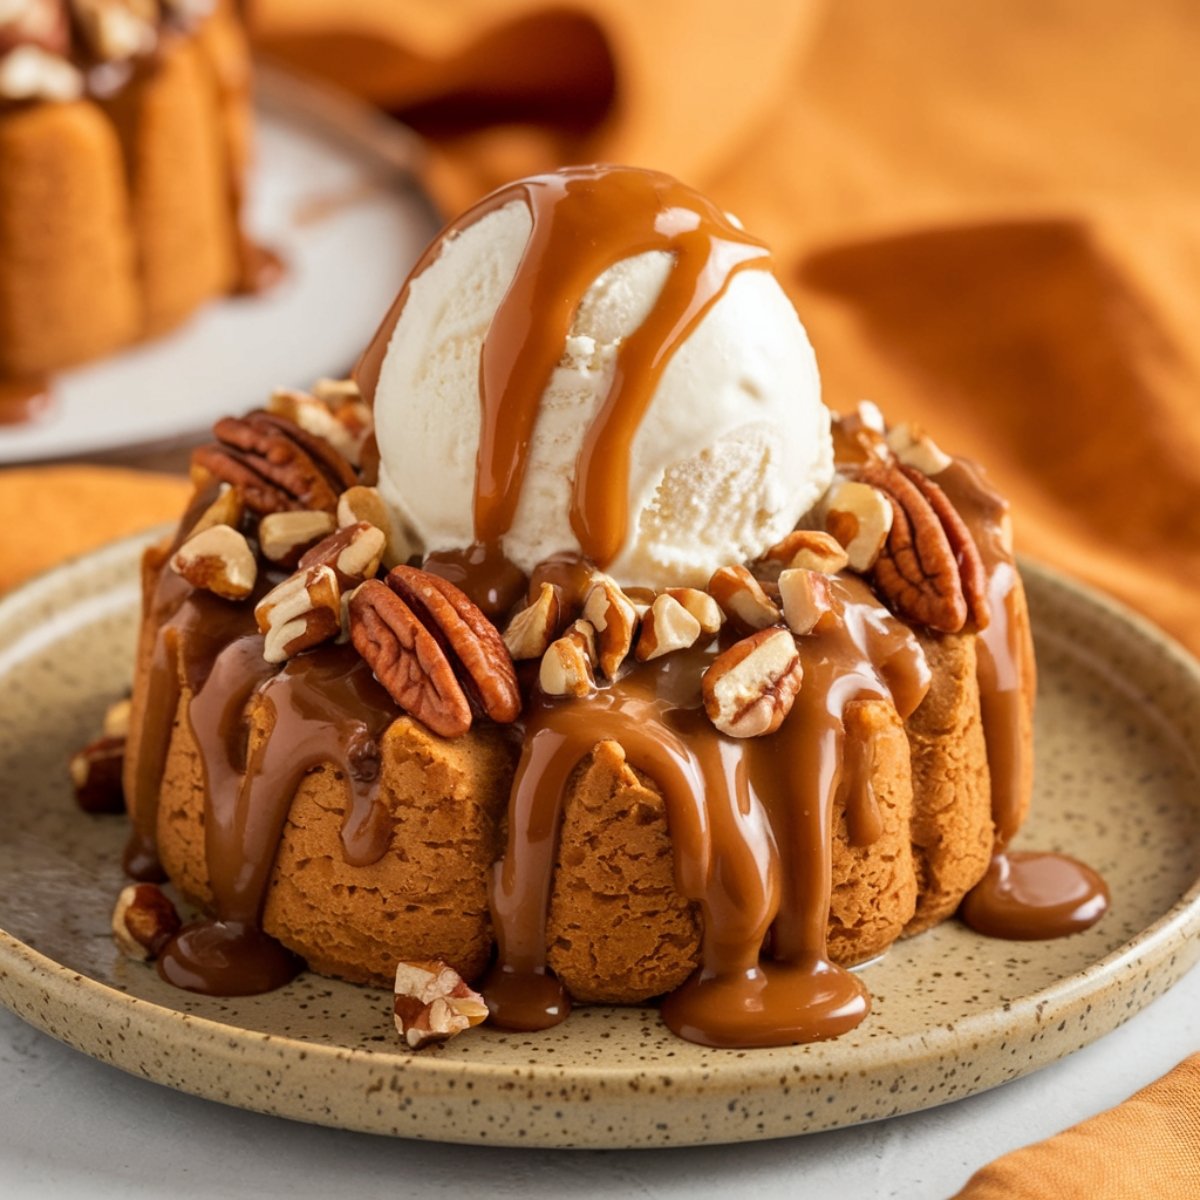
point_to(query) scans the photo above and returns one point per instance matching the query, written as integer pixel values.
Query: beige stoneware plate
(954, 1013)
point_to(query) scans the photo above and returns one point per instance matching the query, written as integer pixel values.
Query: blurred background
(987, 216)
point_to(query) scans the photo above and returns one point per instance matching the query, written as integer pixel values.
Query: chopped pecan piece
(750, 688)
(916, 449)
(806, 598)
(859, 517)
(667, 627)
(116, 718)
(301, 612)
(808, 548)
(117, 29)
(432, 1002)
(284, 536)
(366, 504)
(218, 560)
(143, 921)
(277, 465)
(226, 509)
(531, 631)
(567, 667)
(742, 598)
(40, 23)
(702, 606)
(615, 619)
(930, 569)
(96, 775)
(353, 552)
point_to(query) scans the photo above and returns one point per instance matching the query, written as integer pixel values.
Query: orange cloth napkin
(48, 514)
(1149, 1146)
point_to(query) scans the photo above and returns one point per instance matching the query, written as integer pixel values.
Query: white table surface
(70, 1126)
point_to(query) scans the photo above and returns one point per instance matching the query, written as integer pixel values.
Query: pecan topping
(353, 552)
(434, 651)
(143, 921)
(432, 1003)
(750, 688)
(929, 569)
(407, 659)
(96, 775)
(277, 465)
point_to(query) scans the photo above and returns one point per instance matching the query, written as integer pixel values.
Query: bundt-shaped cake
(719, 777)
(123, 138)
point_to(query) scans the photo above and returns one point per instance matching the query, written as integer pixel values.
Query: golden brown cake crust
(425, 898)
(68, 286)
(118, 218)
(618, 931)
(952, 831)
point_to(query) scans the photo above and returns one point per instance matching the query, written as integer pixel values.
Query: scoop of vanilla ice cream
(734, 449)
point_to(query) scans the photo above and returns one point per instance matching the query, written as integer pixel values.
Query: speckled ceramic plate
(954, 1013)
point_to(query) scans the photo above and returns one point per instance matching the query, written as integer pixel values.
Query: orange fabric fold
(49, 514)
(1149, 1146)
(986, 214)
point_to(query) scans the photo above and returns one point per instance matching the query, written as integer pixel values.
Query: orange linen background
(988, 214)
(1147, 1149)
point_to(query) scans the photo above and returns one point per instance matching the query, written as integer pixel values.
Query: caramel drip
(570, 574)
(23, 401)
(864, 655)
(1032, 896)
(864, 821)
(323, 707)
(1024, 895)
(725, 853)
(584, 221)
(1006, 672)
(172, 611)
(750, 825)
(483, 573)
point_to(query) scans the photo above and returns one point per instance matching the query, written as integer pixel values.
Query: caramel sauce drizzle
(1024, 895)
(585, 220)
(324, 707)
(750, 823)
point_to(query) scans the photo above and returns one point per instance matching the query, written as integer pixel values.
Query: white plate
(333, 192)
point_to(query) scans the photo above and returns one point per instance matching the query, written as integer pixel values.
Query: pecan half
(434, 651)
(930, 569)
(277, 465)
(472, 641)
